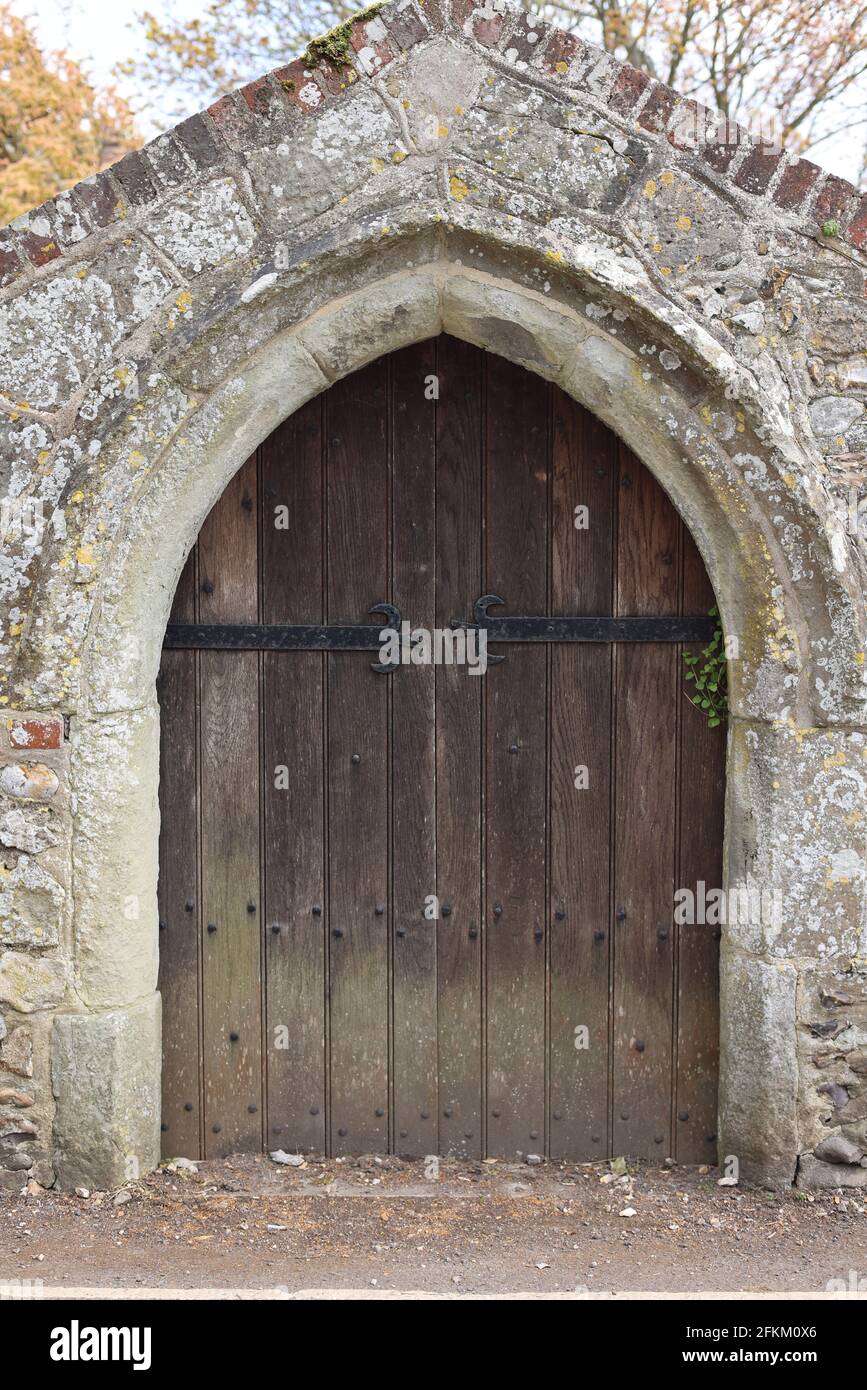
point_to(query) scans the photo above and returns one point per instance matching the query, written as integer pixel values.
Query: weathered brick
(759, 167)
(527, 34)
(488, 29)
(834, 200)
(98, 200)
(335, 79)
(11, 264)
(39, 731)
(136, 179)
(630, 85)
(370, 42)
(796, 183)
(259, 95)
(723, 141)
(461, 11)
(559, 53)
(688, 126)
(37, 236)
(657, 109)
(405, 25)
(857, 233)
(299, 86)
(196, 138)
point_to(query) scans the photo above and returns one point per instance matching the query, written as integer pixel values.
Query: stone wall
(464, 169)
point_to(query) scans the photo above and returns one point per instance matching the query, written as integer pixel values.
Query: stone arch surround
(466, 172)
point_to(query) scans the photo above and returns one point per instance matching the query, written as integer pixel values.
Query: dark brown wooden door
(431, 912)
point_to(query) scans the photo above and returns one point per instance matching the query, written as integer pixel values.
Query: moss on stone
(334, 47)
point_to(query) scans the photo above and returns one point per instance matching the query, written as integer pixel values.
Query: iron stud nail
(446, 910)
(498, 909)
(356, 758)
(534, 1134)
(425, 1114)
(189, 1105)
(275, 929)
(662, 933)
(513, 747)
(247, 502)
(251, 1109)
(189, 905)
(233, 1037)
(212, 927)
(683, 1116)
(163, 1127)
(472, 933)
(343, 1133)
(216, 1129)
(557, 1115)
(404, 1133)
(277, 1129)
(639, 1045)
(401, 931)
(251, 908)
(379, 909)
(379, 1112)
(620, 914)
(496, 1114)
(338, 931)
(624, 1114)
(317, 910)
(207, 586)
(468, 1134)
(162, 925)
(448, 1114)
(314, 1110)
(657, 1138)
(538, 935)
(599, 936)
(594, 1138)
(560, 914)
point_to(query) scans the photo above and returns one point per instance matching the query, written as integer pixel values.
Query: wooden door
(429, 911)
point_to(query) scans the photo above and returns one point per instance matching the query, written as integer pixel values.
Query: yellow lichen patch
(459, 110)
(859, 658)
(398, 157)
(665, 270)
(184, 301)
(459, 187)
(16, 629)
(377, 165)
(561, 67)
(442, 131)
(650, 188)
(84, 555)
(554, 255)
(406, 103)
(683, 223)
(136, 459)
(834, 760)
(790, 480)
(666, 178)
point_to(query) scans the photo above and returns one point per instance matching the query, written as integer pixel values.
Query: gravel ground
(380, 1224)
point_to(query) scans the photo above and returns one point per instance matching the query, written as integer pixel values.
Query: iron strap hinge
(282, 637)
(687, 628)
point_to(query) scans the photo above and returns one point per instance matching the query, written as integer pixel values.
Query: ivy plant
(709, 676)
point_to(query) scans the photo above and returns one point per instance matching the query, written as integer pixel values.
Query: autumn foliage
(55, 129)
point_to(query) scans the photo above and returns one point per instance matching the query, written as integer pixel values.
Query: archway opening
(431, 911)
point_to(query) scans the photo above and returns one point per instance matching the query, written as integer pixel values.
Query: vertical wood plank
(644, 841)
(179, 887)
(293, 703)
(358, 766)
(516, 764)
(584, 456)
(229, 702)
(413, 461)
(460, 580)
(701, 794)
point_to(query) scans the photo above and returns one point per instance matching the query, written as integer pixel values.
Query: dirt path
(480, 1228)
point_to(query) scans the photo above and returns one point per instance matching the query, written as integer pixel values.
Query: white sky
(101, 33)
